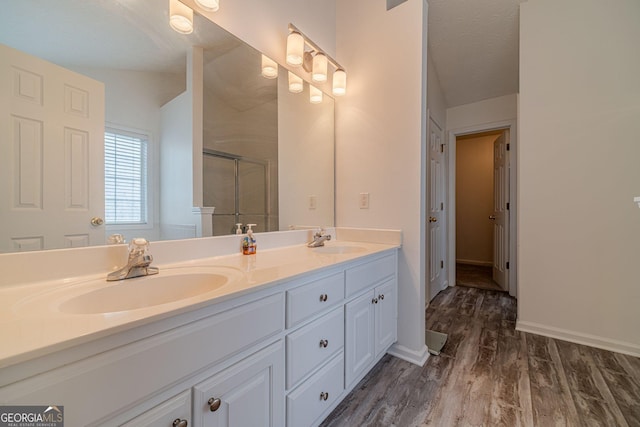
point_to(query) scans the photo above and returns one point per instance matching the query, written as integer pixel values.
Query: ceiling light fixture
(180, 17)
(209, 5)
(314, 61)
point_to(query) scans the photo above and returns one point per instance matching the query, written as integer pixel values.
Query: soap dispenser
(239, 229)
(249, 245)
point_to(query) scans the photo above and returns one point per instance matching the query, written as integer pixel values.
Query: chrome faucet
(138, 263)
(318, 239)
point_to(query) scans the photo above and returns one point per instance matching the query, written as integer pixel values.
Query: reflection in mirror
(120, 67)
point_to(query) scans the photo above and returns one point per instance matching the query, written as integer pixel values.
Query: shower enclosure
(240, 189)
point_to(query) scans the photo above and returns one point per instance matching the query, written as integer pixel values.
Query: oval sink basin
(131, 294)
(339, 249)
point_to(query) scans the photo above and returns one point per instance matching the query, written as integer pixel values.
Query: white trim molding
(416, 357)
(579, 338)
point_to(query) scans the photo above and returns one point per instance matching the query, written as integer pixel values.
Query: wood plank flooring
(489, 374)
(475, 276)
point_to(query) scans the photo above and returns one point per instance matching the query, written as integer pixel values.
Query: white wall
(435, 95)
(380, 141)
(579, 152)
(485, 112)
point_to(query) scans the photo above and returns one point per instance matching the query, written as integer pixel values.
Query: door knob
(97, 221)
(433, 219)
(492, 217)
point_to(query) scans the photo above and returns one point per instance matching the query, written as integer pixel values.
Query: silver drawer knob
(374, 301)
(324, 297)
(324, 343)
(180, 423)
(214, 404)
(381, 297)
(324, 396)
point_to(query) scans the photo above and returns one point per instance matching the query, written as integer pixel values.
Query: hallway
(489, 374)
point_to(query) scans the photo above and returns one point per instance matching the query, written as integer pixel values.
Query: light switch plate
(363, 201)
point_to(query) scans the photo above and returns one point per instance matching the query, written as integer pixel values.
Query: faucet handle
(138, 246)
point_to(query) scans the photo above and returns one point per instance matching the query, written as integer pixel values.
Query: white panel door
(386, 315)
(247, 394)
(500, 216)
(359, 336)
(436, 208)
(52, 155)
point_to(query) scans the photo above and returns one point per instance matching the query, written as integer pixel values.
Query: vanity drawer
(312, 399)
(367, 275)
(164, 414)
(313, 344)
(307, 300)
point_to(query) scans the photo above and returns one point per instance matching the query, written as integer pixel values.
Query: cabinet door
(166, 413)
(359, 338)
(247, 394)
(386, 314)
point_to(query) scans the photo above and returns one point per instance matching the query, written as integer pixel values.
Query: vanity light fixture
(269, 67)
(315, 95)
(180, 17)
(295, 49)
(314, 61)
(296, 85)
(319, 71)
(339, 82)
(209, 5)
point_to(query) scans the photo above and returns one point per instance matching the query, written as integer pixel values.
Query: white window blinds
(125, 163)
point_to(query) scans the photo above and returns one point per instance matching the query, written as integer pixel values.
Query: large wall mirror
(90, 89)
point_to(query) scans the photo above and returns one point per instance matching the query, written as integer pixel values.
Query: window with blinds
(125, 160)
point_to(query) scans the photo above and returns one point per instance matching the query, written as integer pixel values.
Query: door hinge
(442, 148)
(508, 147)
(441, 264)
(441, 206)
(508, 205)
(507, 265)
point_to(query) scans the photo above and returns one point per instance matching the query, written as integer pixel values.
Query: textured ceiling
(474, 47)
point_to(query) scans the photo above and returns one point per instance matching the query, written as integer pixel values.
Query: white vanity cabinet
(280, 355)
(371, 317)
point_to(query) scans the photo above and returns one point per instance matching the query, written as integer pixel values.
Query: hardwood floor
(475, 276)
(489, 374)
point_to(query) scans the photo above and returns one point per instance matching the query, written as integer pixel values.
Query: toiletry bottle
(239, 229)
(249, 245)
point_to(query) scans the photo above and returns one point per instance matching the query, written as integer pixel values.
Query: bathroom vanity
(281, 339)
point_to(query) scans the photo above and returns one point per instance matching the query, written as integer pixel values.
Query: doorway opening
(482, 229)
(478, 187)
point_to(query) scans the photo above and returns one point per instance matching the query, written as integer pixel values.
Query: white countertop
(32, 324)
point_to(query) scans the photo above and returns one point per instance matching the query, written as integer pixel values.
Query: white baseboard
(580, 338)
(474, 262)
(416, 357)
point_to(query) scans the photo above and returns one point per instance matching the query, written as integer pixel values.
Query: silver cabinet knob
(324, 396)
(381, 296)
(180, 423)
(374, 301)
(96, 221)
(324, 298)
(324, 343)
(214, 404)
